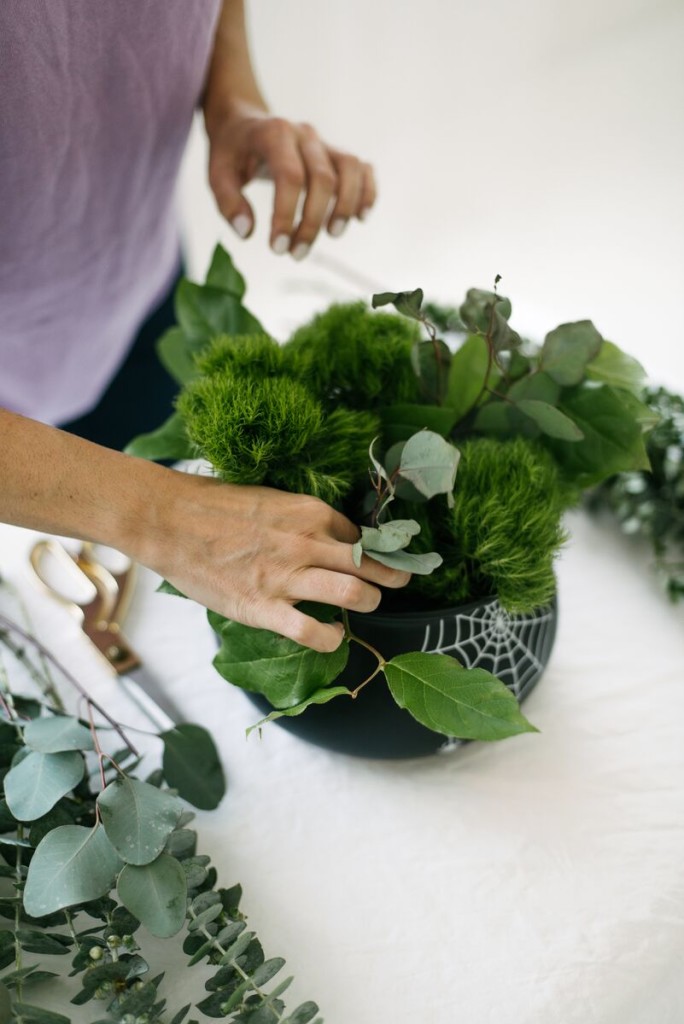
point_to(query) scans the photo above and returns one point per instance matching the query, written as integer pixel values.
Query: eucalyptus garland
(650, 503)
(95, 859)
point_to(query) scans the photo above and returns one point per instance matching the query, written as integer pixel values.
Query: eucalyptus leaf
(377, 465)
(138, 818)
(304, 1014)
(34, 786)
(429, 463)
(431, 360)
(53, 734)
(390, 536)
(407, 303)
(283, 671)
(29, 1014)
(550, 420)
(468, 374)
(156, 894)
(484, 312)
(169, 441)
(357, 553)
(494, 418)
(5, 1004)
(72, 864)
(318, 697)
(567, 350)
(536, 386)
(444, 696)
(192, 766)
(614, 367)
(418, 564)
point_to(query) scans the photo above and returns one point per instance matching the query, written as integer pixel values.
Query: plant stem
(17, 912)
(349, 635)
(49, 656)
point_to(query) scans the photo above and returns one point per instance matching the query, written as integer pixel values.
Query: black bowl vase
(515, 648)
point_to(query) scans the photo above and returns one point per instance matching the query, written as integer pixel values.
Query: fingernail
(364, 213)
(337, 227)
(281, 244)
(241, 224)
(300, 250)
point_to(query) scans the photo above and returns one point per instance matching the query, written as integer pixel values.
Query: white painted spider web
(514, 648)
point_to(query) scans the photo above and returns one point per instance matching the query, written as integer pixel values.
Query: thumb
(226, 185)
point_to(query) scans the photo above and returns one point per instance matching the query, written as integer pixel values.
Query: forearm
(231, 82)
(58, 483)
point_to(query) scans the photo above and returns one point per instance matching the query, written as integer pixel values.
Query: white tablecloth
(536, 881)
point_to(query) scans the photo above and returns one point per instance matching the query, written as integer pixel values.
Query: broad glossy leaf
(168, 588)
(223, 274)
(444, 696)
(399, 422)
(283, 671)
(138, 818)
(390, 536)
(169, 441)
(431, 361)
(429, 463)
(51, 735)
(467, 376)
(34, 786)
(192, 766)
(551, 421)
(613, 440)
(203, 311)
(71, 865)
(319, 697)
(567, 350)
(419, 565)
(177, 355)
(156, 894)
(613, 366)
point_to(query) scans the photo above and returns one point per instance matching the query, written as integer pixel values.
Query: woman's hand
(316, 185)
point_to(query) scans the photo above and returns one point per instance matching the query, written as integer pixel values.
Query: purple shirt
(96, 101)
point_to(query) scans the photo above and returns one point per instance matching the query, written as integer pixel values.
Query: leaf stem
(350, 635)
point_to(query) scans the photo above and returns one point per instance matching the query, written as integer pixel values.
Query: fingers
(227, 183)
(295, 625)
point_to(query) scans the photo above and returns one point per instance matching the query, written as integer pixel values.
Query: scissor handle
(101, 615)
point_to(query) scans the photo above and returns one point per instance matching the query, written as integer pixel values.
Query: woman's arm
(249, 553)
(246, 141)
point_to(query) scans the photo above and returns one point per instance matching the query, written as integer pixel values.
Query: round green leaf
(613, 366)
(156, 894)
(551, 421)
(57, 733)
(444, 696)
(138, 818)
(419, 565)
(72, 864)
(390, 536)
(567, 350)
(192, 766)
(429, 463)
(38, 781)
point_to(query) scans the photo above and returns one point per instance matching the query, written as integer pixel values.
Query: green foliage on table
(649, 503)
(95, 860)
(372, 411)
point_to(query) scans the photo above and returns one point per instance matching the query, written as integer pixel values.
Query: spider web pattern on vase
(514, 648)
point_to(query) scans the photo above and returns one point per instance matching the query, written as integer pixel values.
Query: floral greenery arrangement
(650, 503)
(94, 859)
(466, 448)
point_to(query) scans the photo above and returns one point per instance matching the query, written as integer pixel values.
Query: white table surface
(535, 881)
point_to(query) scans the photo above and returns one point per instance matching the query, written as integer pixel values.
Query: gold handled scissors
(100, 613)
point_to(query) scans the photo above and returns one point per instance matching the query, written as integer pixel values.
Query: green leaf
(419, 565)
(156, 894)
(37, 1015)
(34, 786)
(467, 376)
(613, 440)
(283, 671)
(181, 1015)
(32, 940)
(431, 361)
(551, 421)
(614, 367)
(390, 536)
(318, 697)
(567, 350)
(192, 766)
(5, 1005)
(537, 386)
(429, 463)
(72, 864)
(487, 313)
(138, 818)
(51, 735)
(169, 441)
(406, 303)
(168, 588)
(494, 418)
(204, 311)
(444, 696)
(303, 1014)
(223, 274)
(399, 422)
(177, 355)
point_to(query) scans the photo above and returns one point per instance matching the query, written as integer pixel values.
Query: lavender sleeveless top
(96, 101)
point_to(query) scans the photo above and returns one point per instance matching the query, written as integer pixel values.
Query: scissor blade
(151, 698)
